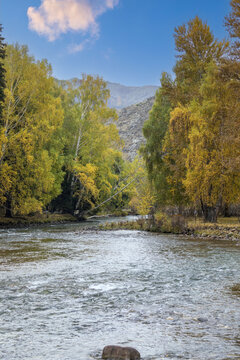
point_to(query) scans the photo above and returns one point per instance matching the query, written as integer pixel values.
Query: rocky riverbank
(216, 231)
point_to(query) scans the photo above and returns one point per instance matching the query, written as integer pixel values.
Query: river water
(66, 292)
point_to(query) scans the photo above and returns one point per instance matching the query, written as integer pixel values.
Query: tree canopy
(192, 142)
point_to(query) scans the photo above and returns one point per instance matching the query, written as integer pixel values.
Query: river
(66, 292)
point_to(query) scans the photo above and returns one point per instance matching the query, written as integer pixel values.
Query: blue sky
(125, 41)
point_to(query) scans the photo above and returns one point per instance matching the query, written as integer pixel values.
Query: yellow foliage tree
(142, 194)
(91, 142)
(213, 155)
(31, 115)
(87, 190)
(175, 149)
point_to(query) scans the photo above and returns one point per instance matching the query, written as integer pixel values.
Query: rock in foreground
(112, 352)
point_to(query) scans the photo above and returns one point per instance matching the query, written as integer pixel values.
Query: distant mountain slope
(123, 96)
(130, 124)
(133, 105)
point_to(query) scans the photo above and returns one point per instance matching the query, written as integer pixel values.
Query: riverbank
(49, 218)
(225, 228)
(35, 220)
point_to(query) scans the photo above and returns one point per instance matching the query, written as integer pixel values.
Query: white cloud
(79, 47)
(55, 17)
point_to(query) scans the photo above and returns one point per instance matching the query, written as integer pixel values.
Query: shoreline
(198, 230)
(36, 220)
(191, 229)
(51, 219)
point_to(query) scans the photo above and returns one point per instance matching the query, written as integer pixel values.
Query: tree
(175, 146)
(91, 146)
(168, 129)
(233, 26)
(2, 71)
(168, 126)
(230, 66)
(196, 48)
(213, 155)
(154, 130)
(142, 194)
(30, 166)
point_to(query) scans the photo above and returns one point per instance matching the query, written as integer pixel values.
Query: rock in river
(112, 352)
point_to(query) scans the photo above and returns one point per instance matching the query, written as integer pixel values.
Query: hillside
(133, 105)
(130, 123)
(123, 96)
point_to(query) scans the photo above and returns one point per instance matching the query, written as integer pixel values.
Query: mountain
(133, 104)
(130, 124)
(123, 96)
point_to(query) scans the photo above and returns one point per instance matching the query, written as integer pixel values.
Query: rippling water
(65, 293)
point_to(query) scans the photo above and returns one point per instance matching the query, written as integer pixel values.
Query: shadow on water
(29, 251)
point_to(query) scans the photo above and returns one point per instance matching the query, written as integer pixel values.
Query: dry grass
(224, 228)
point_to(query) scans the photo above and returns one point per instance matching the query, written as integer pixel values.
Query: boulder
(112, 352)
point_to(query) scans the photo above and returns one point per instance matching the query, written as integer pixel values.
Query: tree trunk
(226, 211)
(8, 213)
(209, 213)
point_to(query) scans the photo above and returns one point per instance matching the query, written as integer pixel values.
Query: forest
(192, 151)
(60, 150)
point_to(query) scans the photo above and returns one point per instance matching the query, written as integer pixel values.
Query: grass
(224, 228)
(222, 221)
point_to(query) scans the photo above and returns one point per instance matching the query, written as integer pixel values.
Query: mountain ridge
(122, 96)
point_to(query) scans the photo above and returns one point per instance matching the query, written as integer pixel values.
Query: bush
(178, 224)
(159, 223)
(162, 222)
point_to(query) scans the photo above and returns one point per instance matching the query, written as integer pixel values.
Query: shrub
(178, 224)
(162, 222)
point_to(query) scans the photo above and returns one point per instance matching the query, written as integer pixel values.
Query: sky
(124, 41)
